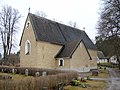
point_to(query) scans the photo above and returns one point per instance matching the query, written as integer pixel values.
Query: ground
(108, 79)
(92, 84)
(16, 76)
(113, 81)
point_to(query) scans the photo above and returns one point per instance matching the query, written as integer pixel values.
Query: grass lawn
(102, 74)
(16, 76)
(92, 84)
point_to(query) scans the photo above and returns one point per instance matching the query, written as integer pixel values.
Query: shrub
(31, 71)
(75, 82)
(11, 60)
(51, 81)
(38, 83)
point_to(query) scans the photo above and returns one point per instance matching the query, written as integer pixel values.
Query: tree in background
(72, 24)
(105, 46)
(41, 13)
(9, 19)
(0, 55)
(109, 22)
(12, 60)
(109, 27)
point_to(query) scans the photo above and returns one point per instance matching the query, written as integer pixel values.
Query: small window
(27, 47)
(28, 25)
(61, 62)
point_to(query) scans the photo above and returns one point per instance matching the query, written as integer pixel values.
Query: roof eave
(23, 30)
(34, 30)
(63, 57)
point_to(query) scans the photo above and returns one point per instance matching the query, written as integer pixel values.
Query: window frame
(61, 62)
(27, 47)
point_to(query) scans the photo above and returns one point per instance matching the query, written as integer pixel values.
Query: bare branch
(109, 26)
(41, 13)
(9, 19)
(72, 24)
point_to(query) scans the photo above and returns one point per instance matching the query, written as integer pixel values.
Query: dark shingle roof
(68, 49)
(46, 30)
(53, 32)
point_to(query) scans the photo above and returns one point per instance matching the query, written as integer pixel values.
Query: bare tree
(109, 22)
(0, 55)
(73, 24)
(9, 18)
(109, 25)
(41, 13)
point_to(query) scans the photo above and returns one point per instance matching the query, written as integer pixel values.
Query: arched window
(61, 62)
(27, 47)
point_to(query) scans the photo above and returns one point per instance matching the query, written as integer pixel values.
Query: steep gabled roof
(46, 30)
(54, 32)
(69, 48)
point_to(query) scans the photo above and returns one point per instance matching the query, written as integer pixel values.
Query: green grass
(93, 85)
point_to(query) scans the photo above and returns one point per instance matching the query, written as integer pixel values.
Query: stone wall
(28, 60)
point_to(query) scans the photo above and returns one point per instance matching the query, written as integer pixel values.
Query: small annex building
(113, 60)
(49, 44)
(101, 58)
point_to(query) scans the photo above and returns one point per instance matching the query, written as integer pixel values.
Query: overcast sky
(83, 12)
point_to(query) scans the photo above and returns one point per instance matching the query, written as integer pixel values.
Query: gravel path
(113, 80)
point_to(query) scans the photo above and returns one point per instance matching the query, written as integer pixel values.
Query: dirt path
(113, 80)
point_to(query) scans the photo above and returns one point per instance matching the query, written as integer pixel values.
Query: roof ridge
(56, 22)
(55, 32)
